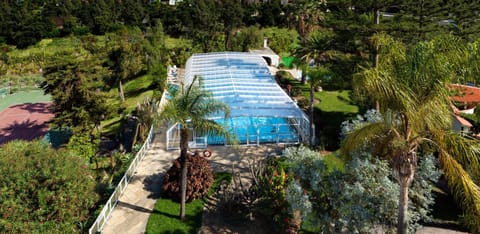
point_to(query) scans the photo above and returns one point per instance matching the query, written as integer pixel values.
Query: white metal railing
(113, 200)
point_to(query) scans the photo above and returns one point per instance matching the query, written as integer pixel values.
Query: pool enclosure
(260, 110)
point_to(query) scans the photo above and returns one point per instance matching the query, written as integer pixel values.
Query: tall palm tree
(411, 89)
(318, 46)
(315, 76)
(305, 15)
(190, 107)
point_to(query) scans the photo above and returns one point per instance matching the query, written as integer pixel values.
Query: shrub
(365, 195)
(199, 178)
(271, 188)
(303, 103)
(43, 190)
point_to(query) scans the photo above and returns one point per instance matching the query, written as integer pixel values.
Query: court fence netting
(12, 84)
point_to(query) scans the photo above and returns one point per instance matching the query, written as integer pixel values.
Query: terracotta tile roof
(466, 94)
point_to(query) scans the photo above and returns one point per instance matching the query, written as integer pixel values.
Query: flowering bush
(272, 191)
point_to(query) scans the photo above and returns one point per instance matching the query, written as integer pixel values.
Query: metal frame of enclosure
(260, 110)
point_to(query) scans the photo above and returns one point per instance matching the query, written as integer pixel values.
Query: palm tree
(317, 47)
(315, 76)
(190, 107)
(306, 15)
(411, 89)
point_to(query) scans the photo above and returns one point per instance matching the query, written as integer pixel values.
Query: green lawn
(23, 97)
(333, 108)
(330, 110)
(135, 92)
(164, 218)
(335, 101)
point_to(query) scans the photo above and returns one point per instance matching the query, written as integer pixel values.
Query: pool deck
(138, 200)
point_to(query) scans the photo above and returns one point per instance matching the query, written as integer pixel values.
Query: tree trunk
(137, 129)
(183, 178)
(405, 166)
(402, 225)
(312, 137)
(376, 21)
(227, 39)
(120, 90)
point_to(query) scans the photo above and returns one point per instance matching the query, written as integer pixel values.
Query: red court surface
(24, 121)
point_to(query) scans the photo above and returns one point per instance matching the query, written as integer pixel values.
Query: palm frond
(465, 151)
(465, 191)
(390, 92)
(432, 113)
(366, 134)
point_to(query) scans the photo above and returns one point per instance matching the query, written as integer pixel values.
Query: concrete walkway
(138, 200)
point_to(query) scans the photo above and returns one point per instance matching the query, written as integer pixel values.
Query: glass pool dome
(260, 110)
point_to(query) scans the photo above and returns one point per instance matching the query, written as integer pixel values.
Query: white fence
(113, 200)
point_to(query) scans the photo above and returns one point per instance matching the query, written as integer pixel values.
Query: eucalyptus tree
(410, 86)
(126, 57)
(190, 107)
(231, 17)
(315, 48)
(206, 24)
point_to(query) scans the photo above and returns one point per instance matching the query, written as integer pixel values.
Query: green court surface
(23, 97)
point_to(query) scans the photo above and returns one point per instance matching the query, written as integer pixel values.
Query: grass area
(335, 101)
(334, 108)
(164, 218)
(172, 43)
(135, 92)
(330, 110)
(48, 47)
(23, 97)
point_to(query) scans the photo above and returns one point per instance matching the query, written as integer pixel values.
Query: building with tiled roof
(465, 97)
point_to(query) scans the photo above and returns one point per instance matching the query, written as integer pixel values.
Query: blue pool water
(249, 130)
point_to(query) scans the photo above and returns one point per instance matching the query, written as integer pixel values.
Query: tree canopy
(43, 190)
(411, 89)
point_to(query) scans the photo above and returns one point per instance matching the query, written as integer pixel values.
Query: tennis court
(20, 97)
(25, 121)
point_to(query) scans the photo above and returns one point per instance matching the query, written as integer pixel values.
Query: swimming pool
(260, 110)
(257, 130)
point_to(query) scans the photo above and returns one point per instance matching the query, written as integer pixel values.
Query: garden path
(137, 202)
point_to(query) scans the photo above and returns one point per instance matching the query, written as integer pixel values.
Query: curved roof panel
(242, 81)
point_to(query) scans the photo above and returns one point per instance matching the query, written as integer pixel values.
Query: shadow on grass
(445, 212)
(327, 127)
(137, 92)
